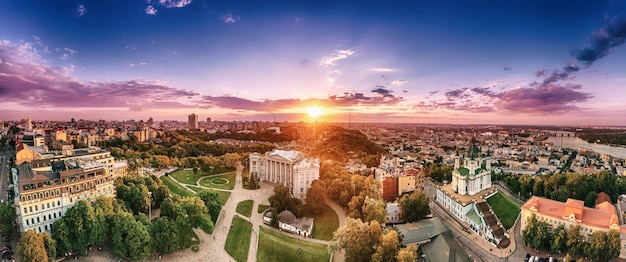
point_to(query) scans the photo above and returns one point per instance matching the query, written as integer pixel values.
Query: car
(6, 238)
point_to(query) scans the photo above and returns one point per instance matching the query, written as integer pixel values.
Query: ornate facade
(289, 168)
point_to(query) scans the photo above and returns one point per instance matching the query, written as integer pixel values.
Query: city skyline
(486, 62)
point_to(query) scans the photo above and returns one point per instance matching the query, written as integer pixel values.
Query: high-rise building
(193, 121)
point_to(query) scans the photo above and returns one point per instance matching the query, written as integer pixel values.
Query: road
(5, 171)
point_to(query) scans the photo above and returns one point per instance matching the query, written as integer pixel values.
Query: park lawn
(176, 188)
(505, 208)
(238, 241)
(187, 176)
(275, 246)
(262, 208)
(245, 207)
(324, 224)
(227, 186)
(224, 195)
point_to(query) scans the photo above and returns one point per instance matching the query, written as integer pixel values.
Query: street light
(150, 206)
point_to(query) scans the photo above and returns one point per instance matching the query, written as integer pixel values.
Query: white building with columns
(289, 168)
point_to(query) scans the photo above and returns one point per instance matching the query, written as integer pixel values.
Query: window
(36, 208)
(48, 204)
(59, 203)
(37, 219)
(25, 211)
(44, 218)
(49, 217)
(46, 227)
(27, 222)
(30, 209)
(55, 215)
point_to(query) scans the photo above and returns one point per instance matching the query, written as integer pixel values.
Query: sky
(456, 62)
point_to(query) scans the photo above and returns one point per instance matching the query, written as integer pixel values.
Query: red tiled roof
(604, 215)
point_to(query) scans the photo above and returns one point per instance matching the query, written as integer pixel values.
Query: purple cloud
(612, 34)
(552, 98)
(27, 80)
(540, 72)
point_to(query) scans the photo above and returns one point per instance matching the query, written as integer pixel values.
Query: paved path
(211, 247)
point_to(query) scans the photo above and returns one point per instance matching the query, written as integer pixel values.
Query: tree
(134, 193)
(162, 232)
(388, 248)
(83, 229)
(50, 246)
(212, 201)
(315, 196)
(414, 207)
(559, 239)
(282, 200)
(31, 247)
(613, 244)
(358, 239)
(597, 244)
(130, 239)
(7, 219)
(374, 209)
(574, 240)
(407, 254)
(61, 235)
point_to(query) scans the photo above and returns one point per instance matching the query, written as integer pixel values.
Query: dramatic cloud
(80, 10)
(229, 18)
(381, 69)
(151, 10)
(398, 82)
(338, 55)
(552, 98)
(612, 34)
(28, 81)
(545, 97)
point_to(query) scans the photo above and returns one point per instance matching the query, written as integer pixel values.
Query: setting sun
(314, 111)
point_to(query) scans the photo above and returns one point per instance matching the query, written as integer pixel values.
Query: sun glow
(314, 111)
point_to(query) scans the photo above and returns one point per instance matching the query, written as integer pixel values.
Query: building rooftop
(604, 215)
(291, 154)
(421, 231)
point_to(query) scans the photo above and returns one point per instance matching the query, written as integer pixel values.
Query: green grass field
(187, 176)
(245, 207)
(262, 208)
(278, 247)
(238, 241)
(176, 188)
(219, 182)
(224, 195)
(505, 208)
(324, 224)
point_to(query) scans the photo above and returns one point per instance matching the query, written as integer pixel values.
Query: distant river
(575, 143)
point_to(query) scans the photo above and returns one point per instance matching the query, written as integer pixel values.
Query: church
(465, 198)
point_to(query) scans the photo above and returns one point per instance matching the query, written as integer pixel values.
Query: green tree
(130, 239)
(282, 200)
(388, 248)
(597, 246)
(574, 240)
(407, 254)
(134, 193)
(414, 207)
(7, 219)
(82, 225)
(162, 233)
(558, 242)
(212, 201)
(31, 247)
(61, 235)
(315, 196)
(50, 246)
(613, 244)
(358, 239)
